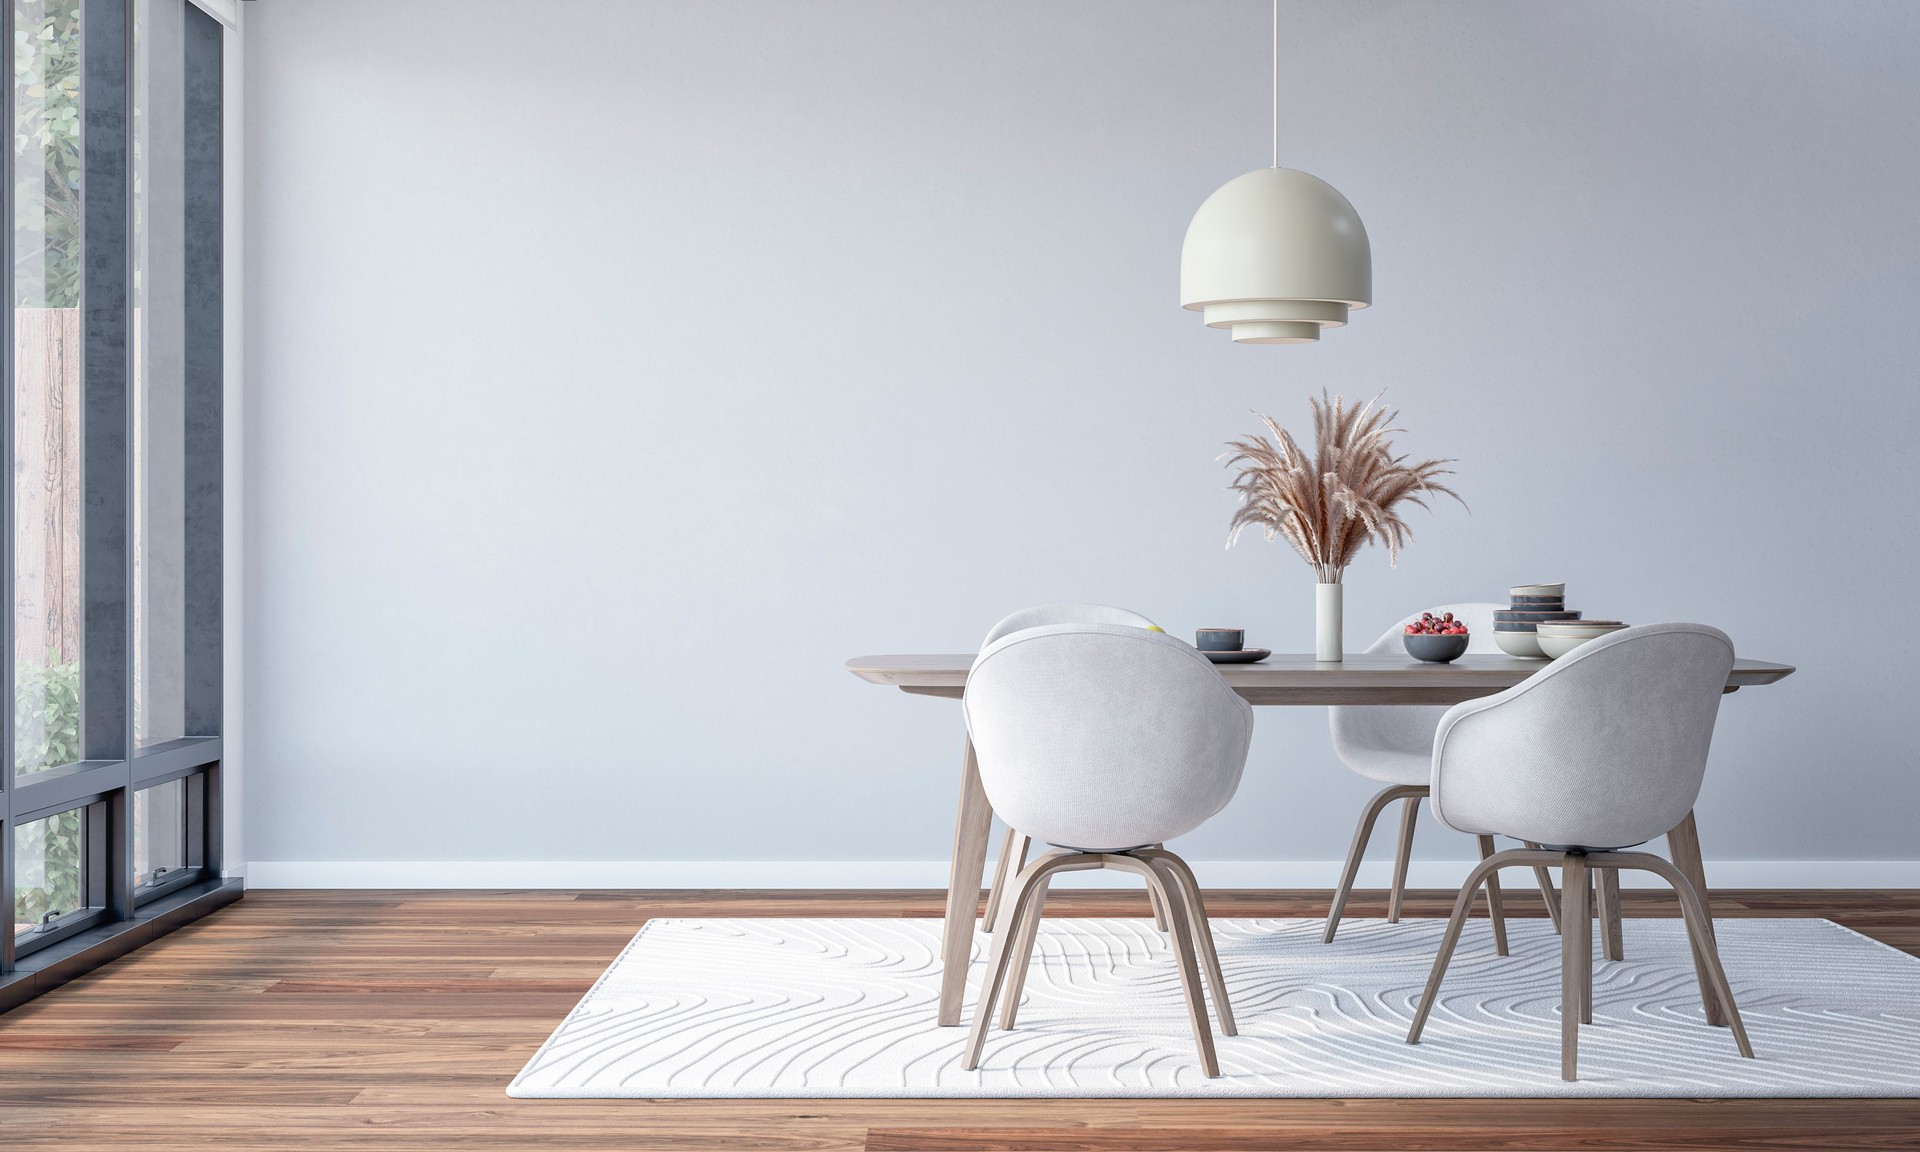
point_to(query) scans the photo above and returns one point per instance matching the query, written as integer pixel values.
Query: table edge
(885, 671)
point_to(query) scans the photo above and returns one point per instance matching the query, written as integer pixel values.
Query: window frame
(119, 915)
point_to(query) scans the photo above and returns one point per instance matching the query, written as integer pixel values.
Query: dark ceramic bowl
(1529, 603)
(1512, 614)
(1435, 649)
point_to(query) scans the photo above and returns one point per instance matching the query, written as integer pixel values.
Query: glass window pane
(159, 372)
(46, 386)
(159, 832)
(49, 877)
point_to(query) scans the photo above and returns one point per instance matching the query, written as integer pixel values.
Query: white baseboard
(933, 874)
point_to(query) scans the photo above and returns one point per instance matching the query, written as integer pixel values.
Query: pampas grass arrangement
(1352, 489)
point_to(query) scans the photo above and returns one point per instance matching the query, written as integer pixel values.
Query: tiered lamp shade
(1276, 255)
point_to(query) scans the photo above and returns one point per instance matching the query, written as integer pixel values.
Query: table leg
(1683, 844)
(970, 833)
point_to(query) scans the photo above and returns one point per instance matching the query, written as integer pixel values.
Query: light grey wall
(619, 369)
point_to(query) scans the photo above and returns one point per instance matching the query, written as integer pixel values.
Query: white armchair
(1015, 846)
(1394, 746)
(1105, 741)
(1603, 750)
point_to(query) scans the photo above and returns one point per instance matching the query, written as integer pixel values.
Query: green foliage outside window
(47, 199)
(46, 149)
(58, 839)
(46, 714)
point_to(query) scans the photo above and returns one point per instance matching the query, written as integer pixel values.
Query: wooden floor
(394, 1020)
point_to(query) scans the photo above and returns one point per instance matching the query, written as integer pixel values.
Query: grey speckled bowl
(1435, 649)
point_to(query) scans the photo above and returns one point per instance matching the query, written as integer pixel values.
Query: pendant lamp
(1277, 254)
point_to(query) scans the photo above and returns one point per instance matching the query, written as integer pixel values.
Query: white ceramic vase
(1326, 622)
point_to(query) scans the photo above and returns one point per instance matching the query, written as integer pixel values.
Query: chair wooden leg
(1401, 856)
(1361, 835)
(1005, 929)
(1496, 914)
(1576, 960)
(1586, 974)
(1606, 889)
(1462, 904)
(1027, 932)
(1179, 934)
(1032, 879)
(1706, 950)
(1159, 913)
(1182, 876)
(1683, 842)
(1544, 878)
(1013, 857)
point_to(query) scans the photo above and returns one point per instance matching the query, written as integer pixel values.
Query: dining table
(1278, 680)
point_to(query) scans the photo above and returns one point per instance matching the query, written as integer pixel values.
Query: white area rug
(845, 1008)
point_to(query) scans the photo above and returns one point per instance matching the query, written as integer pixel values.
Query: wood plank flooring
(394, 1020)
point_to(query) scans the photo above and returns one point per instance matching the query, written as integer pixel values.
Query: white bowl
(1555, 647)
(1522, 644)
(1537, 590)
(1587, 628)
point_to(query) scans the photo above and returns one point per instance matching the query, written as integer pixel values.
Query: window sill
(53, 965)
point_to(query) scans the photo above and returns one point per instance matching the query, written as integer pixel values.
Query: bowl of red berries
(1436, 639)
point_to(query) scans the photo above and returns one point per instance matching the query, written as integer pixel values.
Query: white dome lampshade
(1276, 255)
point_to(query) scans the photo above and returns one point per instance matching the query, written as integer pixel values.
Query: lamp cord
(1276, 83)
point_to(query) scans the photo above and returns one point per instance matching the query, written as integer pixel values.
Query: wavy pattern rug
(845, 1008)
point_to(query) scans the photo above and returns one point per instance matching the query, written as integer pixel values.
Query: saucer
(1243, 656)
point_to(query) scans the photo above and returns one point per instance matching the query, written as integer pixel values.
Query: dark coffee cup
(1220, 639)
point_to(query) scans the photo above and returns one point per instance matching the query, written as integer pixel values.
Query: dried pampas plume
(1348, 492)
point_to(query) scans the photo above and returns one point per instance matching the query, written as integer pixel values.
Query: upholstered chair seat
(1390, 765)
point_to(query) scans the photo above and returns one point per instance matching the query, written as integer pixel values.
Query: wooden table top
(1290, 678)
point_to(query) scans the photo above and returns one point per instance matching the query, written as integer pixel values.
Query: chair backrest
(1041, 615)
(1407, 726)
(1103, 736)
(1604, 748)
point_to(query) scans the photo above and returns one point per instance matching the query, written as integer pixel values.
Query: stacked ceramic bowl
(1516, 628)
(1557, 638)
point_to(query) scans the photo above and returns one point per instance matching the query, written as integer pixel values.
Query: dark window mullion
(107, 369)
(99, 858)
(205, 357)
(200, 786)
(7, 437)
(107, 366)
(7, 873)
